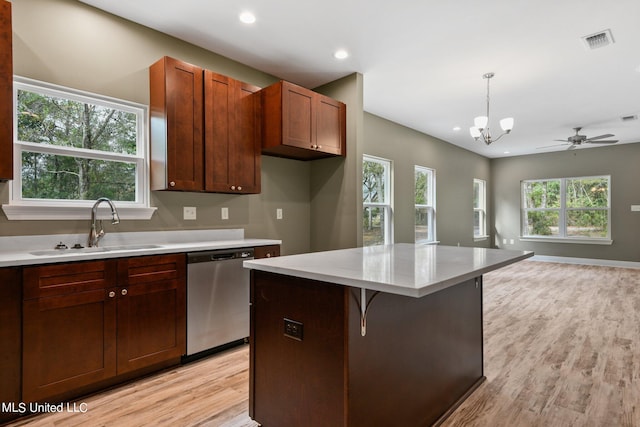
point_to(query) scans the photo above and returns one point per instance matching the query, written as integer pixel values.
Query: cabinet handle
(112, 294)
(172, 184)
(124, 292)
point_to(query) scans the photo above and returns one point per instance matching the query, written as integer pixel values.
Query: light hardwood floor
(562, 348)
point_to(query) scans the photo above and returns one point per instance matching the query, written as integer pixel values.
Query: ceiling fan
(575, 140)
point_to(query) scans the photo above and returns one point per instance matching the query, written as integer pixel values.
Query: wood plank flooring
(562, 348)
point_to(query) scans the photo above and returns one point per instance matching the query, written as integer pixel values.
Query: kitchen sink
(95, 249)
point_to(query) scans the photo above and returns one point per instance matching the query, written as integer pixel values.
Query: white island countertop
(402, 269)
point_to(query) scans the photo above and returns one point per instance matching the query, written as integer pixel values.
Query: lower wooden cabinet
(10, 339)
(87, 323)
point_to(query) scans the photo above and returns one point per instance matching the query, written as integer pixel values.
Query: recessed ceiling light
(247, 17)
(341, 54)
(456, 128)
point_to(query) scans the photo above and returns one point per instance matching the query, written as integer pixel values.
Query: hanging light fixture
(480, 126)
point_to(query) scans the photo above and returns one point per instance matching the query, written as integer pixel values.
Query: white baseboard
(586, 261)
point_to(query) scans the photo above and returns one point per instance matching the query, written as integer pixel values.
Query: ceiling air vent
(600, 39)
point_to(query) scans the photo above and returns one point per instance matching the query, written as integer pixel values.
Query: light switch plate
(278, 213)
(224, 213)
(189, 213)
(635, 208)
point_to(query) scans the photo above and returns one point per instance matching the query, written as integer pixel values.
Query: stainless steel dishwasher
(217, 299)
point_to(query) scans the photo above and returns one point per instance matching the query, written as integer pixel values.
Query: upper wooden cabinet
(6, 93)
(302, 124)
(232, 135)
(176, 103)
(205, 130)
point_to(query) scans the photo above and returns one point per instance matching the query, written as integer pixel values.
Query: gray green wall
(68, 43)
(622, 162)
(455, 170)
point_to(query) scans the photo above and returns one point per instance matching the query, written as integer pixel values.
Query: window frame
(562, 213)
(387, 206)
(430, 206)
(482, 209)
(20, 208)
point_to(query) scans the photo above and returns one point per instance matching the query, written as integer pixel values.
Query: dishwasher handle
(216, 256)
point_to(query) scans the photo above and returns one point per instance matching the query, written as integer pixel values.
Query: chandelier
(480, 128)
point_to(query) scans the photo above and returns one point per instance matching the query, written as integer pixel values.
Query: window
(73, 147)
(376, 198)
(567, 208)
(425, 204)
(479, 209)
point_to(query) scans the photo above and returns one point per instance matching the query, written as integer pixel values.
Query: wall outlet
(511, 241)
(292, 329)
(504, 241)
(189, 213)
(278, 213)
(635, 208)
(224, 213)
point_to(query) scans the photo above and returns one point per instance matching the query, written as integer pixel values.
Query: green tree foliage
(586, 201)
(50, 120)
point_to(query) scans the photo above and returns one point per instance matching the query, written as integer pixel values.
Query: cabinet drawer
(146, 269)
(266, 251)
(64, 279)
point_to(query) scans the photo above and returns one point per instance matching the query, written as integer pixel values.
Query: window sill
(53, 212)
(567, 240)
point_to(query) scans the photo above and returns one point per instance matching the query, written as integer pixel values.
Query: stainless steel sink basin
(98, 249)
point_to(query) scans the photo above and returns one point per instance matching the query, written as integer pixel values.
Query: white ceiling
(423, 61)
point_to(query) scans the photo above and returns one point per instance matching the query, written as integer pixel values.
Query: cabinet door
(69, 341)
(176, 102)
(232, 144)
(298, 116)
(151, 311)
(69, 327)
(266, 251)
(331, 126)
(6, 93)
(10, 338)
(245, 158)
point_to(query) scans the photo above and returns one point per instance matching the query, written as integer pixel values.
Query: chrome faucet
(94, 237)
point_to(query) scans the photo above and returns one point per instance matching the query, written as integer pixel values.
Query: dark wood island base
(316, 360)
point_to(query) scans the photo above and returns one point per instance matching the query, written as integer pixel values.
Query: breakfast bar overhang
(374, 336)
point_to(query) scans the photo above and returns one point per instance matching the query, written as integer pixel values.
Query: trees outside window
(376, 201)
(73, 147)
(425, 201)
(567, 208)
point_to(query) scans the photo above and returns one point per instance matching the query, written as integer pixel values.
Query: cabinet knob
(172, 184)
(112, 294)
(318, 147)
(124, 292)
(233, 187)
(239, 188)
(268, 254)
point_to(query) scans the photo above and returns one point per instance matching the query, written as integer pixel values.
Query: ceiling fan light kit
(480, 128)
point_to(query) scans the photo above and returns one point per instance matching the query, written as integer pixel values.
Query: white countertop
(402, 269)
(32, 250)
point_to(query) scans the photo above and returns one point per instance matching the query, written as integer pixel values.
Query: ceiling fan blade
(551, 146)
(572, 147)
(608, 141)
(606, 135)
(561, 140)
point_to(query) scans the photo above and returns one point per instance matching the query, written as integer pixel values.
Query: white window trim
(30, 209)
(562, 211)
(388, 195)
(482, 209)
(431, 207)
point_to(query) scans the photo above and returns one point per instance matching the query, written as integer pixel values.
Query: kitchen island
(376, 336)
